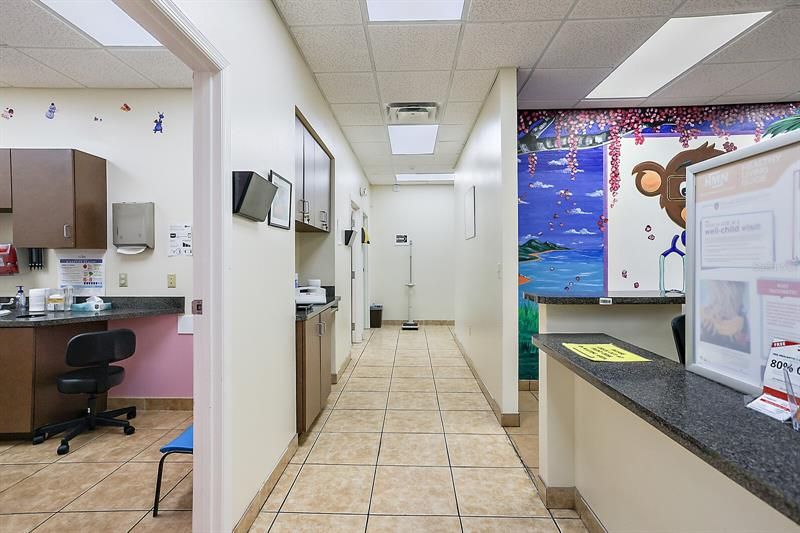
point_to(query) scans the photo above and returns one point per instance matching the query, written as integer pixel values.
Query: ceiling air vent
(413, 113)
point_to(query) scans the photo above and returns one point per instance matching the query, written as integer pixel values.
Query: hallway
(409, 443)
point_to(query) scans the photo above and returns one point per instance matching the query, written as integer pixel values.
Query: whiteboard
(743, 286)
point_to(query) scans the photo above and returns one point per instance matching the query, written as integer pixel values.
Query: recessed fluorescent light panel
(674, 48)
(103, 21)
(413, 139)
(427, 178)
(409, 10)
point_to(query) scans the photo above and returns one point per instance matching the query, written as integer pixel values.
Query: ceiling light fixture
(425, 178)
(673, 49)
(414, 10)
(103, 21)
(413, 139)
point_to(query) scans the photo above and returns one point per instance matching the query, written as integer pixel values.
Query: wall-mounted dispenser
(133, 227)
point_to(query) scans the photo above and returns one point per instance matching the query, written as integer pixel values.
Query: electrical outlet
(123, 279)
(172, 281)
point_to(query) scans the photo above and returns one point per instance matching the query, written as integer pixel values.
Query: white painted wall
(486, 266)
(268, 78)
(142, 167)
(426, 214)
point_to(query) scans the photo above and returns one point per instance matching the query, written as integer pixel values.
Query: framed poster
(469, 213)
(280, 213)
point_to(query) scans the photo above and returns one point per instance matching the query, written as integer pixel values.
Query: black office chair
(679, 333)
(93, 353)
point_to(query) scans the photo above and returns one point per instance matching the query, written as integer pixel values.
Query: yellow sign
(604, 352)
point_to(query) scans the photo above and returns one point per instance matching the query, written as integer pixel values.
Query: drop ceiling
(563, 49)
(38, 48)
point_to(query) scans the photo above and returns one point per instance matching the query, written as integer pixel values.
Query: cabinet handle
(323, 217)
(320, 326)
(67, 231)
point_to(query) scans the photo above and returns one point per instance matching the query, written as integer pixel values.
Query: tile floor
(408, 443)
(105, 484)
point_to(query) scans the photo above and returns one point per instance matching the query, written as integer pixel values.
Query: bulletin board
(743, 286)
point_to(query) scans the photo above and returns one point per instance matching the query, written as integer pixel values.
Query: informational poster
(783, 362)
(180, 240)
(746, 287)
(401, 239)
(85, 274)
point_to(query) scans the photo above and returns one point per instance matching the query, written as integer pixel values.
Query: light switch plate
(123, 279)
(172, 281)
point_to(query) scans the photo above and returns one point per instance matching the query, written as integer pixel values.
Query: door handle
(67, 231)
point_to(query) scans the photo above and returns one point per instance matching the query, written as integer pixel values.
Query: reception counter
(648, 446)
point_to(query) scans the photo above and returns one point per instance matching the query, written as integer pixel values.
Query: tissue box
(88, 306)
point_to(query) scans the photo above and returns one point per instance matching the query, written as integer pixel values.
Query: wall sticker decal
(51, 111)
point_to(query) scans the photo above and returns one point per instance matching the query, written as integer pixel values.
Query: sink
(33, 315)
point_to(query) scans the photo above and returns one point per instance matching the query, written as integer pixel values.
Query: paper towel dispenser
(133, 226)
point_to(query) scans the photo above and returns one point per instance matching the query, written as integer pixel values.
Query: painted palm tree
(784, 125)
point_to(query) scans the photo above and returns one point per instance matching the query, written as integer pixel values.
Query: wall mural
(602, 195)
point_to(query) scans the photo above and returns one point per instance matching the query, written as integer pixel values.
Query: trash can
(375, 316)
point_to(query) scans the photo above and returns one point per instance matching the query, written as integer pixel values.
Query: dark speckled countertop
(310, 312)
(616, 297)
(708, 419)
(123, 307)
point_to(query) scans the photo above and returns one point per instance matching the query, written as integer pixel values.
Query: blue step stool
(183, 443)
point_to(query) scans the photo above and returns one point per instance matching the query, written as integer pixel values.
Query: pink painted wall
(162, 364)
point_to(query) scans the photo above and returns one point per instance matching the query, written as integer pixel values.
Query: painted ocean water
(576, 272)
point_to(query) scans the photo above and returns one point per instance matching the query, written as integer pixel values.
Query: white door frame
(356, 276)
(211, 263)
(365, 264)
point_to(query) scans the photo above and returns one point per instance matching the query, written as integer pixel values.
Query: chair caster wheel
(38, 439)
(63, 449)
(129, 430)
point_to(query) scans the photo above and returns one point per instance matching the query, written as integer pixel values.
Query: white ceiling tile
(715, 79)
(561, 84)
(522, 77)
(93, 68)
(414, 46)
(605, 104)
(775, 39)
(414, 86)
(606, 9)
(24, 23)
(358, 134)
(597, 43)
(448, 148)
(157, 64)
(381, 179)
(358, 114)
(348, 87)
(319, 12)
(517, 10)
(785, 80)
(334, 48)
(747, 99)
(546, 104)
(461, 112)
(371, 170)
(504, 44)
(373, 153)
(424, 163)
(657, 101)
(723, 7)
(471, 85)
(19, 70)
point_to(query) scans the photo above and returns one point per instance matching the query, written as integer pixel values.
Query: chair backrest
(101, 347)
(679, 333)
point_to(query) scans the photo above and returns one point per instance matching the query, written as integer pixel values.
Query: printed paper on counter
(604, 352)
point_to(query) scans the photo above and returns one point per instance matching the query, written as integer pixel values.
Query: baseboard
(251, 513)
(590, 520)
(529, 384)
(568, 498)
(421, 322)
(338, 375)
(152, 404)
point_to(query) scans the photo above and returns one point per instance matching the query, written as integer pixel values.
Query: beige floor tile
(345, 449)
(497, 492)
(159, 419)
(179, 498)
(463, 401)
(567, 525)
(481, 450)
(171, 521)
(22, 523)
(413, 352)
(367, 385)
(527, 401)
(449, 361)
(509, 525)
(354, 420)
(304, 444)
(367, 371)
(262, 522)
(452, 372)
(331, 489)
(13, 474)
(412, 372)
(528, 424)
(186, 423)
(319, 422)
(362, 400)
(318, 523)
(412, 385)
(107, 522)
(413, 524)
(281, 489)
(331, 401)
(413, 449)
(564, 513)
(375, 360)
(51, 488)
(413, 490)
(472, 422)
(131, 487)
(528, 448)
(457, 385)
(113, 447)
(412, 422)
(408, 360)
(5, 445)
(44, 453)
(416, 401)
(153, 453)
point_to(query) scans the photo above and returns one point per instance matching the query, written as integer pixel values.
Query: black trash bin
(375, 316)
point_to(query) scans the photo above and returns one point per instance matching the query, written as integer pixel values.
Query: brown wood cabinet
(59, 199)
(5, 180)
(315, 348)
(313, 176)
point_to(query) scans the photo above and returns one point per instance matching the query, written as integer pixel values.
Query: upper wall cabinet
(5, 180)
(59, 199)
(312, 182)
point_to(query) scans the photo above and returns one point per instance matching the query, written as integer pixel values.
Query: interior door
(357, 279)
(299, 194)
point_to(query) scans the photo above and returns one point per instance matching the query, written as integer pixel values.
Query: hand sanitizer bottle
(20, 298)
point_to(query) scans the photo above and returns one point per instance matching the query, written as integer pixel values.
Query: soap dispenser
(19, 299)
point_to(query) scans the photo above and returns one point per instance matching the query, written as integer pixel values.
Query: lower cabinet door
(313, 396)
(326, 352)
